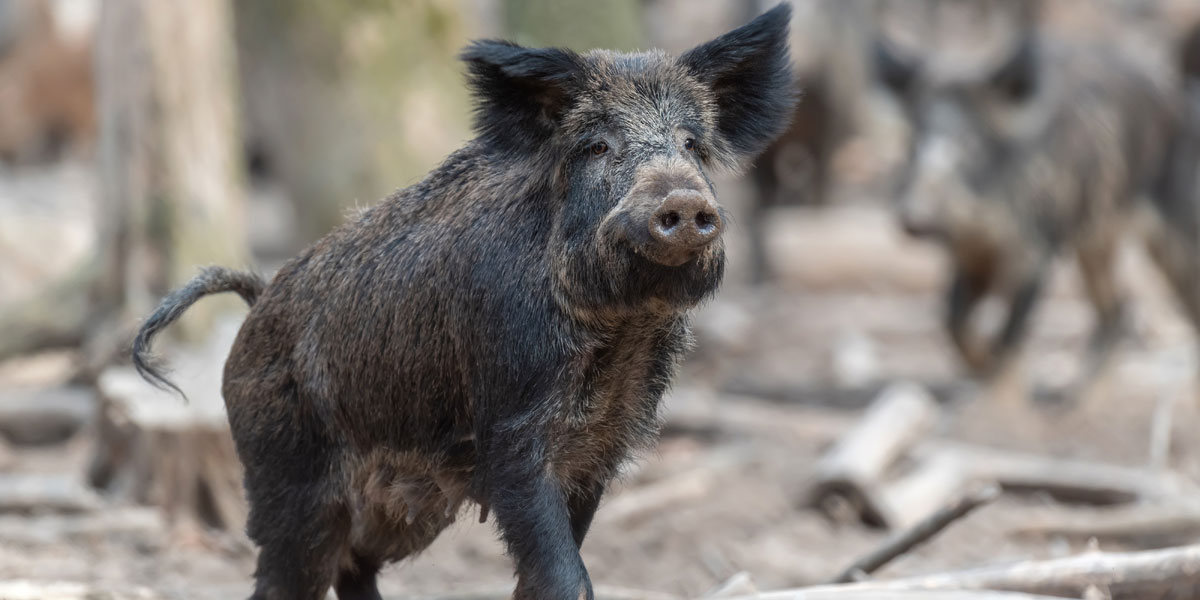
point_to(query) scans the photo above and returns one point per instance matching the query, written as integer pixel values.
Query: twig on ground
(1145, 575)
(919, 533)
(1068, 480)
(1150, 525)
(844, 593)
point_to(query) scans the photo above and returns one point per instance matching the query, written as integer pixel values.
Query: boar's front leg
(531, 508)
(965, 293)
(1097, 262)
(1020, 309)
(582, 504)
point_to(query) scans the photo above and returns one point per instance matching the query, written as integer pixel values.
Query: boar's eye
(689, 145)
(599, 148)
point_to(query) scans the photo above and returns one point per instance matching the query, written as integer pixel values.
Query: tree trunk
(577, 24)
(171, 188)
(169, 184)
(347, 101)
(171, 148)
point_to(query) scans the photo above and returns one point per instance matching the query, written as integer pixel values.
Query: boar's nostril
(685, 221)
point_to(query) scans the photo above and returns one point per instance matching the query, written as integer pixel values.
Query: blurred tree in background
(335, 103)
(346, 102)
(577, 24)
(349, 100)
(169, 172)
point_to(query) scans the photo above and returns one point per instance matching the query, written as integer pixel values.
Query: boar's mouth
(671, 258)
(683, 285)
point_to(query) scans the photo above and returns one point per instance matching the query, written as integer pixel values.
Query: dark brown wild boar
(830, 53)
(501, 332)
(1045, 150)
(1171, 225)
(46, 89)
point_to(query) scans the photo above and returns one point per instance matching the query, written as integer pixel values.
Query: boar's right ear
(520, 93)
(895, 71)
(750, 73)
(1017, 78)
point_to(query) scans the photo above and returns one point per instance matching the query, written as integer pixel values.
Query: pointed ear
(520, 93)
(896, 71)
(1017, 77)
(750, 74)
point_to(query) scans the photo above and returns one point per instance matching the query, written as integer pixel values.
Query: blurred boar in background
(501, 332)
(1172, 226)
(829, 43)
(46, 86)
(1018, 154)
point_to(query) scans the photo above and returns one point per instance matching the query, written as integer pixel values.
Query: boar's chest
(609, 408)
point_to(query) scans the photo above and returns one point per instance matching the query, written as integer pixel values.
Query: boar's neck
(616, 389)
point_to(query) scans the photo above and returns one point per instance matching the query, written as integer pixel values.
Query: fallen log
(1146, 525)
(44, 416)
(30, 493)
(61, 590)
(927, 488)
(844, 398)
(140, 523)
(1144, 575)
(504, 592)
(635, 503)
(832, 593)
(610, 593)
(851, 472)
(741, 584)
(1068, 480)
(7, 457)
(701, 414)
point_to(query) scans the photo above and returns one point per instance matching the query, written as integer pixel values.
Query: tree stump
(154, 448)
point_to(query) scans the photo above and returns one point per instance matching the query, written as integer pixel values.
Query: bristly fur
(520, 93)
(754, 53)
(503, 331)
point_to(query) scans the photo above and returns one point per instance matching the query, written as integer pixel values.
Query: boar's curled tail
(211, 280)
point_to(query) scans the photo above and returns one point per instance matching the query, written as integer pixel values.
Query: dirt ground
(856, 306)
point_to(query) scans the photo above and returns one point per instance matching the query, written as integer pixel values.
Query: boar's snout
(685, 222)
(670, 215)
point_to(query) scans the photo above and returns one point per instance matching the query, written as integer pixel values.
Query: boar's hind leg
(1178, 259)
(1020, 309)
(358, 583)
(1097, 266)
(531, 509)
(301, 537)
(965, 293)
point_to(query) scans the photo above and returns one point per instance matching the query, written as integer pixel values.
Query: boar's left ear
(520, 93)
(1017, 78)
(749, 72)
